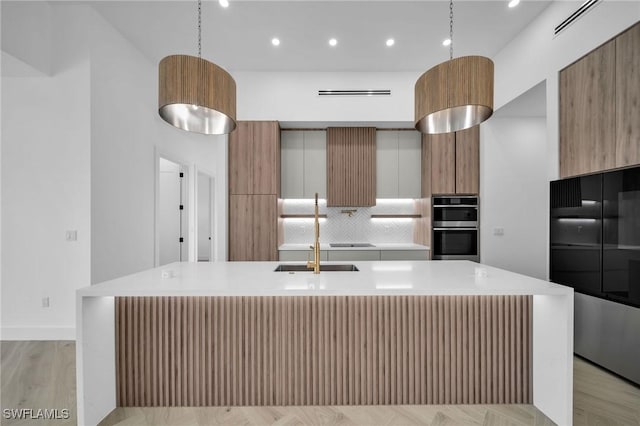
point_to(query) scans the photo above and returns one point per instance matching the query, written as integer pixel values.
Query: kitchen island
(405, 332)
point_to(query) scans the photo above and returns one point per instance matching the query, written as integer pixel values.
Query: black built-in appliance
(595, 248)
(455, 228)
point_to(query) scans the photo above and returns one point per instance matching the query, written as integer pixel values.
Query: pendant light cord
(199, 28)
(451, 29)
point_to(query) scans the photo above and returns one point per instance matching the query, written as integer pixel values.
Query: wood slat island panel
(323, 350)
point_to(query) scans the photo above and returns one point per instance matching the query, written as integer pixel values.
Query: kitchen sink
(323, 268)
(338, 245)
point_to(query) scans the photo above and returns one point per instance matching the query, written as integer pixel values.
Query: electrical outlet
(71, 236)
(45, 302)
(498, 231)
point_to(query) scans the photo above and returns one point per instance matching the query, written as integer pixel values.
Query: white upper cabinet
(315, 164)
(409, 164)
(398, 162)
(303, 165)
(291, 164)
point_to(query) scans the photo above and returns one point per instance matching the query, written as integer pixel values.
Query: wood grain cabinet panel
(266, 157)
(443, 163)
(254, 185)
(254, 158)
(241, 159)
(351, 166)
(587, 113)
(264, 227)
(425, 168)
(628, 97)
(468, 161)
(253, 227)
(240, 227)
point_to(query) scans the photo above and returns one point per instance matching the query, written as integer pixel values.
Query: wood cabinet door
(265, 143)
(443, 163)
(241, 159)
(468, 161)
(240, 227)
(265, 222)
(587, 113)
(351, 166)
(425, 168)
(628, 97)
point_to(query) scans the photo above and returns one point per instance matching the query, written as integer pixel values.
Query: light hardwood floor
(42, 375)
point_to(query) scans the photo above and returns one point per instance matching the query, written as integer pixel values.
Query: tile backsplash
(340, 227)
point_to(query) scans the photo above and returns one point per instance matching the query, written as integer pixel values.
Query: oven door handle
(455, 229)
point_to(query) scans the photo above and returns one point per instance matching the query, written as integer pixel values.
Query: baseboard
(38, 333)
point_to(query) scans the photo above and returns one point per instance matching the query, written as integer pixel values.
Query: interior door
(172, 217)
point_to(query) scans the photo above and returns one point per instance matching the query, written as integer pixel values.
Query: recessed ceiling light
(224, 3)
(333, 42)
(446, 42)
(390, 42)
(514, 3)
(275, 41)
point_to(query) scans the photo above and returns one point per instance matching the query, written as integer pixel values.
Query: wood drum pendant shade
(196, 95)
(454, 95)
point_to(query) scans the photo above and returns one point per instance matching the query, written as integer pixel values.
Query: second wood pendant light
(196, 95)
(456, 94)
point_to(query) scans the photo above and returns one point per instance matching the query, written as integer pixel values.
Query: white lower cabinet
(404, 255)
(353, 255)
(300, 255)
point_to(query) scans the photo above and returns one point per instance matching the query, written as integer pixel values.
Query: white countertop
(374, 278)
(376, 246)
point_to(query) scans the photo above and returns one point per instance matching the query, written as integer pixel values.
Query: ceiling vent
(383, 92)
(584, 8)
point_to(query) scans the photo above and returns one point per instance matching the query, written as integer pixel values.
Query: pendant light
(196, 95)
(456, 94)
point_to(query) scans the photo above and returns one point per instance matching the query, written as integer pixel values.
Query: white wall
(79, 153)
(126, 134)
(535, 55)
(532, 57)
(27, 32)
(45, 187)
(514, 194)
(289, 96)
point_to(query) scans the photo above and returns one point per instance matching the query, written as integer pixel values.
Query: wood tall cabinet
(628, 97)
(351, 166)
(254, 183)
(254, 158)
(454, 162)
(599, 108)
(587, 113)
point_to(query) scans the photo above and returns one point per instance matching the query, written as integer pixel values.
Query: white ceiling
(239, 37)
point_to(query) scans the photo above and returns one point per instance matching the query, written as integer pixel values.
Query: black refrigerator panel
(575, 233)
(621, 236)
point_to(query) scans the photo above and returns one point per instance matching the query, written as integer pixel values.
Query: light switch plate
(498, 231)
(71, 236)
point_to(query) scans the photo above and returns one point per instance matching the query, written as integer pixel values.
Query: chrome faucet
(316, 245)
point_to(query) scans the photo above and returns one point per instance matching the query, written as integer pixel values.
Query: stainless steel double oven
(455, 228)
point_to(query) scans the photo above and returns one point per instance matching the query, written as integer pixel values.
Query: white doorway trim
(190, 203)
